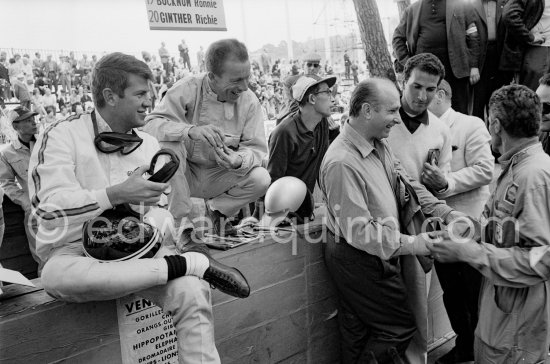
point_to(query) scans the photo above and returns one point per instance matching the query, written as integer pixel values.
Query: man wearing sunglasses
(312, 66)
(543, 91)
(215, 124)
(90, 163)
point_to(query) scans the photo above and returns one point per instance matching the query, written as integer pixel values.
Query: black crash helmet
(116, 236)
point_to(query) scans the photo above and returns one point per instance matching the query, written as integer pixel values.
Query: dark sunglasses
(545, 108)
(110, 141)
(313, 64)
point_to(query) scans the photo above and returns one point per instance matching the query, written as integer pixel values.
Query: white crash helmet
(284, 196)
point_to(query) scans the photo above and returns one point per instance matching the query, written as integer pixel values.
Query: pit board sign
(186, 15)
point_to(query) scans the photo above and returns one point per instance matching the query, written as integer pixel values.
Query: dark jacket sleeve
(472, 39)
(513, 17)
(399, 41)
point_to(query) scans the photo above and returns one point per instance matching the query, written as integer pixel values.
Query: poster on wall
(186, 14)
(147, 335)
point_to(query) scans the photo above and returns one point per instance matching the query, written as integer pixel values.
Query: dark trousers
(461, 284)
(373, 313)
(52, 77)
(536, 62)
(491, 79)
(461, 92)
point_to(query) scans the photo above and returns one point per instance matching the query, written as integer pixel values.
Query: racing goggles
(111, 142)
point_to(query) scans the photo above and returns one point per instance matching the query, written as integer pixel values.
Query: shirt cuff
(245, 165)
(185, 132)
(445, 192)
(406, 245)
(442, 211)
(102, 199)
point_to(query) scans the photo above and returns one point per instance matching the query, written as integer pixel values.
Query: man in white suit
(472, 166)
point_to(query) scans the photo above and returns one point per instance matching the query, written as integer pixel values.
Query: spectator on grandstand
(78, 110)
(74, 99)
(200, 60)
(164, 57)
(84, 96)
(49, 99)
(184, 54)
(266, 61)
(146, 57)
(26, 68)
(63, 100)
(14, 69)
(93, 62)
(312, 66)
(65, 71)
(50, 116)
(347, 64)
(41, 83)
(85, 63)
(63, 113)
(154, 65)
(73, 62)
(355, 72)
(50, 70)
(37, 102)
(275, 70)
(4, 80)
(21, 92)
(180, 70)
(37, 65)
(86, 80)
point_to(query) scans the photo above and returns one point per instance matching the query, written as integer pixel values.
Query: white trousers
(227, 191)
(418, 286)
(70, 276)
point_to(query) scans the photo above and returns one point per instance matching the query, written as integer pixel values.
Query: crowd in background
(58, 85)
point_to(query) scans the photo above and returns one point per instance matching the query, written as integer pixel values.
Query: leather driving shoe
(221, 225)
(229, 280)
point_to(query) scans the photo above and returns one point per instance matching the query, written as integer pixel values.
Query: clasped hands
(214, 136)
(453, 244)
